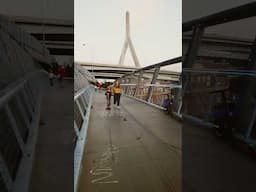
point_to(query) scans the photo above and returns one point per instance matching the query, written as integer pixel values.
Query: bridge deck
(135, 149)
(52, 169)
(211, 161)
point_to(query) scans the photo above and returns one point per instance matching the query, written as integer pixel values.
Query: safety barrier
(155, 85)
(218, 78)
(19, 117)
(82, 108)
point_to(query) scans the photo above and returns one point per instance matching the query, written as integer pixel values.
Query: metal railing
(19, 117)
(154, 84)
(203, 85)
(82, 108)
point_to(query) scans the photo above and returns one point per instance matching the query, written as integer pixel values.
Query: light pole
(92, 57)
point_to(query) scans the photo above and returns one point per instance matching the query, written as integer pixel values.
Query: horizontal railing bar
(80, 92)
(11, 90)
(151, 85)
(162, 64)
(225, 72)
(233, 14)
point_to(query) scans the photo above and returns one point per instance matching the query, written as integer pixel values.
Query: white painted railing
(82, 109)
(19, 117)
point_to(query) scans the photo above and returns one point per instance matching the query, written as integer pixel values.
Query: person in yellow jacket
(117, 91)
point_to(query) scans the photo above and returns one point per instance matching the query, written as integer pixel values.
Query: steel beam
(193, 47)
(154, 78)
(138, 83)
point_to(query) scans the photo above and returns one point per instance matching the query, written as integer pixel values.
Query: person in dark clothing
(61, 73)
(51, 77)
(220, 115)
(108, 94)
(167, 104)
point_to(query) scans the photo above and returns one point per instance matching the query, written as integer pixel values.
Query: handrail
(144, 91)
(20, 102)
(82, 106)
(162, 64)
(12, 88)
(210, 81)
(233, 14)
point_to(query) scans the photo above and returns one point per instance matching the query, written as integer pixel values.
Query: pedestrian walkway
(211, 161)
(134, 149)
(52, 170)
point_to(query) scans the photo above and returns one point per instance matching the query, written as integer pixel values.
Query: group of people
(115, 91)
(60, 75)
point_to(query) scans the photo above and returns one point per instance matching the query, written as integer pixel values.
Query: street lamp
(91, 62)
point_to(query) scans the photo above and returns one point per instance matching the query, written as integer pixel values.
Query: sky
(155, 24)
(155, 30)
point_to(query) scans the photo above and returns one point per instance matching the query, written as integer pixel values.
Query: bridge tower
(128, 43)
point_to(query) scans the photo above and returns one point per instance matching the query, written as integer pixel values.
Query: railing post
(129, 86)
(79, 107)
(23, 113)
(193, 47)
(151, 88)
(247, 104)
(138, 83)
(27, 101)
(76, 129)
(15, 128)
(190, 58)
(250, 127)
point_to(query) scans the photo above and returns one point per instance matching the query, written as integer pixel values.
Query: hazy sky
(155, 30)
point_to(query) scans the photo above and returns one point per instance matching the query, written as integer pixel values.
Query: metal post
(248, 133)
(129, 86)
(247, 98)
(80, 109)
(76, 129)
(138, 83)
(190, 58)
(193, 47)
(15, 128)
(23, 113)
(28, 102)
(126, 86)
(154, 78)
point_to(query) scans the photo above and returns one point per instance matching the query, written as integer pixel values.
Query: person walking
(108, 94)
(61, 73)
(51, 77)
(117, 91)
